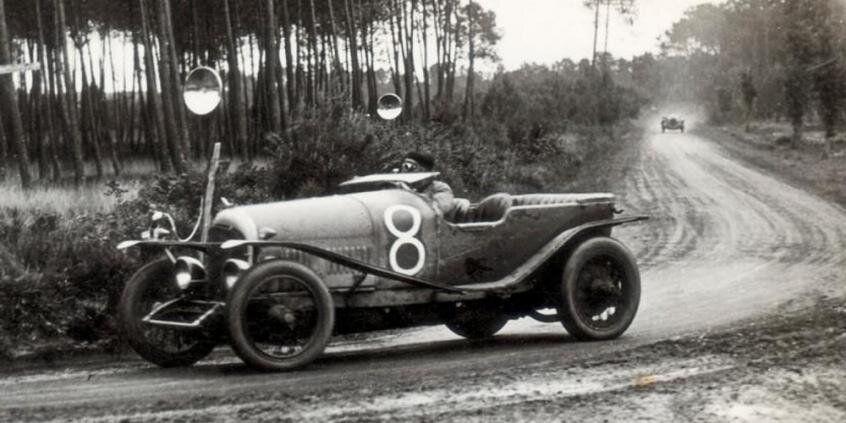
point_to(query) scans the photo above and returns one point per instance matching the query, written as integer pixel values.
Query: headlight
(232, 270)
(187, 270)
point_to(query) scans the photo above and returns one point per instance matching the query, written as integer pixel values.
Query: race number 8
(406, 237)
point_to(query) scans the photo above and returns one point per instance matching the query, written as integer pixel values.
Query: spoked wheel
(600, 290)
(477, 322)
(280, 316)
(150, 287)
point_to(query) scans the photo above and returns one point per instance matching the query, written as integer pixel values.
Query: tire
(301, 310)
(663, 129)
(477, 323)
(150, 285)
(682, 129)
(600, 290)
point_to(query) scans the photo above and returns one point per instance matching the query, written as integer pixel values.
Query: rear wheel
(600, 290)
(149, 287)
(477, 322)
(280, 316)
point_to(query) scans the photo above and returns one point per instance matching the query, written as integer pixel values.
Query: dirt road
(727, 243)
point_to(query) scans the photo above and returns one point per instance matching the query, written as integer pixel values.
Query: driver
(439, 193)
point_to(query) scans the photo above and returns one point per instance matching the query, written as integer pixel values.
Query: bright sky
(545, 31)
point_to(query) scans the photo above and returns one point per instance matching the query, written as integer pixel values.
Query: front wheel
(149, 287)
(280, 316)
(600, 290)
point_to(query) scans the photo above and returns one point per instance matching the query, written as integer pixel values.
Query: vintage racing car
(277, 280)
(672, 123)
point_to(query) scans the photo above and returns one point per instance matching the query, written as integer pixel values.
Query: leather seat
(461, 208)
(491, 209)
(494, 207)
(544, 199)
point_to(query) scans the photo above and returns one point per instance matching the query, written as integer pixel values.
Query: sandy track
(726, 242)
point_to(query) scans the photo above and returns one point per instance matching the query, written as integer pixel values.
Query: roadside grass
(62, 200)
(809, 164)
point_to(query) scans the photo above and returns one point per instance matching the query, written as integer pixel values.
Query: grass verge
(807, 165)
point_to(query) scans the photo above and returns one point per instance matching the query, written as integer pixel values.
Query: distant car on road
(672, 123)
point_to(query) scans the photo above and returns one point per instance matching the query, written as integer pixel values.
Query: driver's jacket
(441, 196)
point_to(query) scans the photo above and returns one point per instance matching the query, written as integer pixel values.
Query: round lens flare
(202, 91)
(389, 106)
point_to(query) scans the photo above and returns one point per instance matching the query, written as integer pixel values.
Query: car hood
(321, 218)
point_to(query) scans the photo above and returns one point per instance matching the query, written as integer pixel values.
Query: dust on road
(727, 243)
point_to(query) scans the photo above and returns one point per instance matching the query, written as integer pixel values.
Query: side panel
(484, 253)
(393, 229)
(405, 234)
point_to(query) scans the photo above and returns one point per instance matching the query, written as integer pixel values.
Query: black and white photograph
(423, 210)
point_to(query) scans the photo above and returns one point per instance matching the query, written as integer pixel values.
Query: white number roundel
(406, 237)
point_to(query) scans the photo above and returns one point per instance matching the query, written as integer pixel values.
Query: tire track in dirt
(736, 241)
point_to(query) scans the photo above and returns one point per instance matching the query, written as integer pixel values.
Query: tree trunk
(48, 152)
(176, 79)
(272, 62)
(108, 127)
(336, 55)
(357, 96)
(290, 79)
(452, 58)
(437, 20)
(50, 111)
(168, 155)
(395, 49)
(88, 117)
(471, 60)
(9, 105)
(372, 88)
(595, 33)
(409, 60)
(69, 110)
(607, 27)
(426, 92)
(4, 155)
(236, 101)
(38, 130)
(312, 41)
(174, 136)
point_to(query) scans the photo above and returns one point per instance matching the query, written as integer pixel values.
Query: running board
(152, 318)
